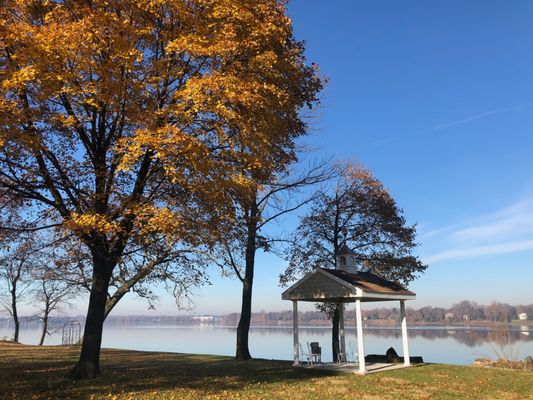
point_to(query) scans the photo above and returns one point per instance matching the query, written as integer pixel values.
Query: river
(450, 345)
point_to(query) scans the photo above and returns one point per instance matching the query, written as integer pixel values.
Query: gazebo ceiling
(333, 285)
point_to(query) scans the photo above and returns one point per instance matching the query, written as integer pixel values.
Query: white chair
(353, 352)
(305, 355)
(341, 356)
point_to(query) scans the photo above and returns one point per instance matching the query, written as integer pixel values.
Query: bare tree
(51, 292)
(17, 256)
(257, 209)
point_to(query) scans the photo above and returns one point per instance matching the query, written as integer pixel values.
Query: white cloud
(423, 234)
(514, 221)
(509, 230)
(502, 248)
(514, 108)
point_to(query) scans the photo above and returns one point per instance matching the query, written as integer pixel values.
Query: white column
(360, 338)
(403, 317)
(342, 333)
(296, 347)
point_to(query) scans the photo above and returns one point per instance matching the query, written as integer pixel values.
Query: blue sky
(437, 99)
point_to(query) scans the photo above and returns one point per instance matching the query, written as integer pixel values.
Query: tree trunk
(88, 366)
(15, 313)
(45, 324)
(113, 300)
(243, 329)
(335, 344)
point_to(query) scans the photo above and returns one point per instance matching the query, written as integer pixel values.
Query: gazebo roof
(322, 285)
(345, 250)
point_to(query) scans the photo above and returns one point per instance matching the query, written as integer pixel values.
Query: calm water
(441, 345)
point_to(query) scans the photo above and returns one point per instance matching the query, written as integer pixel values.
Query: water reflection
(470, 337)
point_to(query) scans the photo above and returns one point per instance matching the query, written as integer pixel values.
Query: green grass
(30, 372)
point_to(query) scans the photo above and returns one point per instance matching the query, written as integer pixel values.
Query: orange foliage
(196, 91)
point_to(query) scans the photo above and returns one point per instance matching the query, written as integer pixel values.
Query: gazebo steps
(372, 367)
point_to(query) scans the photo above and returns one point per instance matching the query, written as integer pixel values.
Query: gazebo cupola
(346, 260)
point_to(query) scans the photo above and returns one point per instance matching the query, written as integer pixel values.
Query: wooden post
(342, 333)
(360, 338)
(403, 316)
(296, 342)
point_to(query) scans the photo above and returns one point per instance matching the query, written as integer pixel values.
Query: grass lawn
(30, 372)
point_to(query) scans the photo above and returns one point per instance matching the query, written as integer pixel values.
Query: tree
(51, 292)
(467, 310)
(500, 312)
(257, 209)
(110, 111)
(360, 213)
(28, 272)
(16, 263)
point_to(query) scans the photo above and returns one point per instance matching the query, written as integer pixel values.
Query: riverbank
(31, 372)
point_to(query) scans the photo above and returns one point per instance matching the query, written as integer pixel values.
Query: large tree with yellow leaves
(116, 116)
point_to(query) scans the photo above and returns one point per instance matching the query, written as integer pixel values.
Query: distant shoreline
(31, 323)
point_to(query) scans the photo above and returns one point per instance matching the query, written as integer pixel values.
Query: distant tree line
(461, 312)
(468, 311)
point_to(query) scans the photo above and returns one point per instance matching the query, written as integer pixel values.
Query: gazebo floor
(371, 368)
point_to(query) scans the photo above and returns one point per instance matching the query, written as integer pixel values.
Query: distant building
(449, 315)
(204, 319)
(522, 316)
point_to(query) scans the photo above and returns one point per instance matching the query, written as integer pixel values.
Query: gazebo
(346, 284)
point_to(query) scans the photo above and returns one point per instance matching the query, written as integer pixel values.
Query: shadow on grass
(40, 372)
